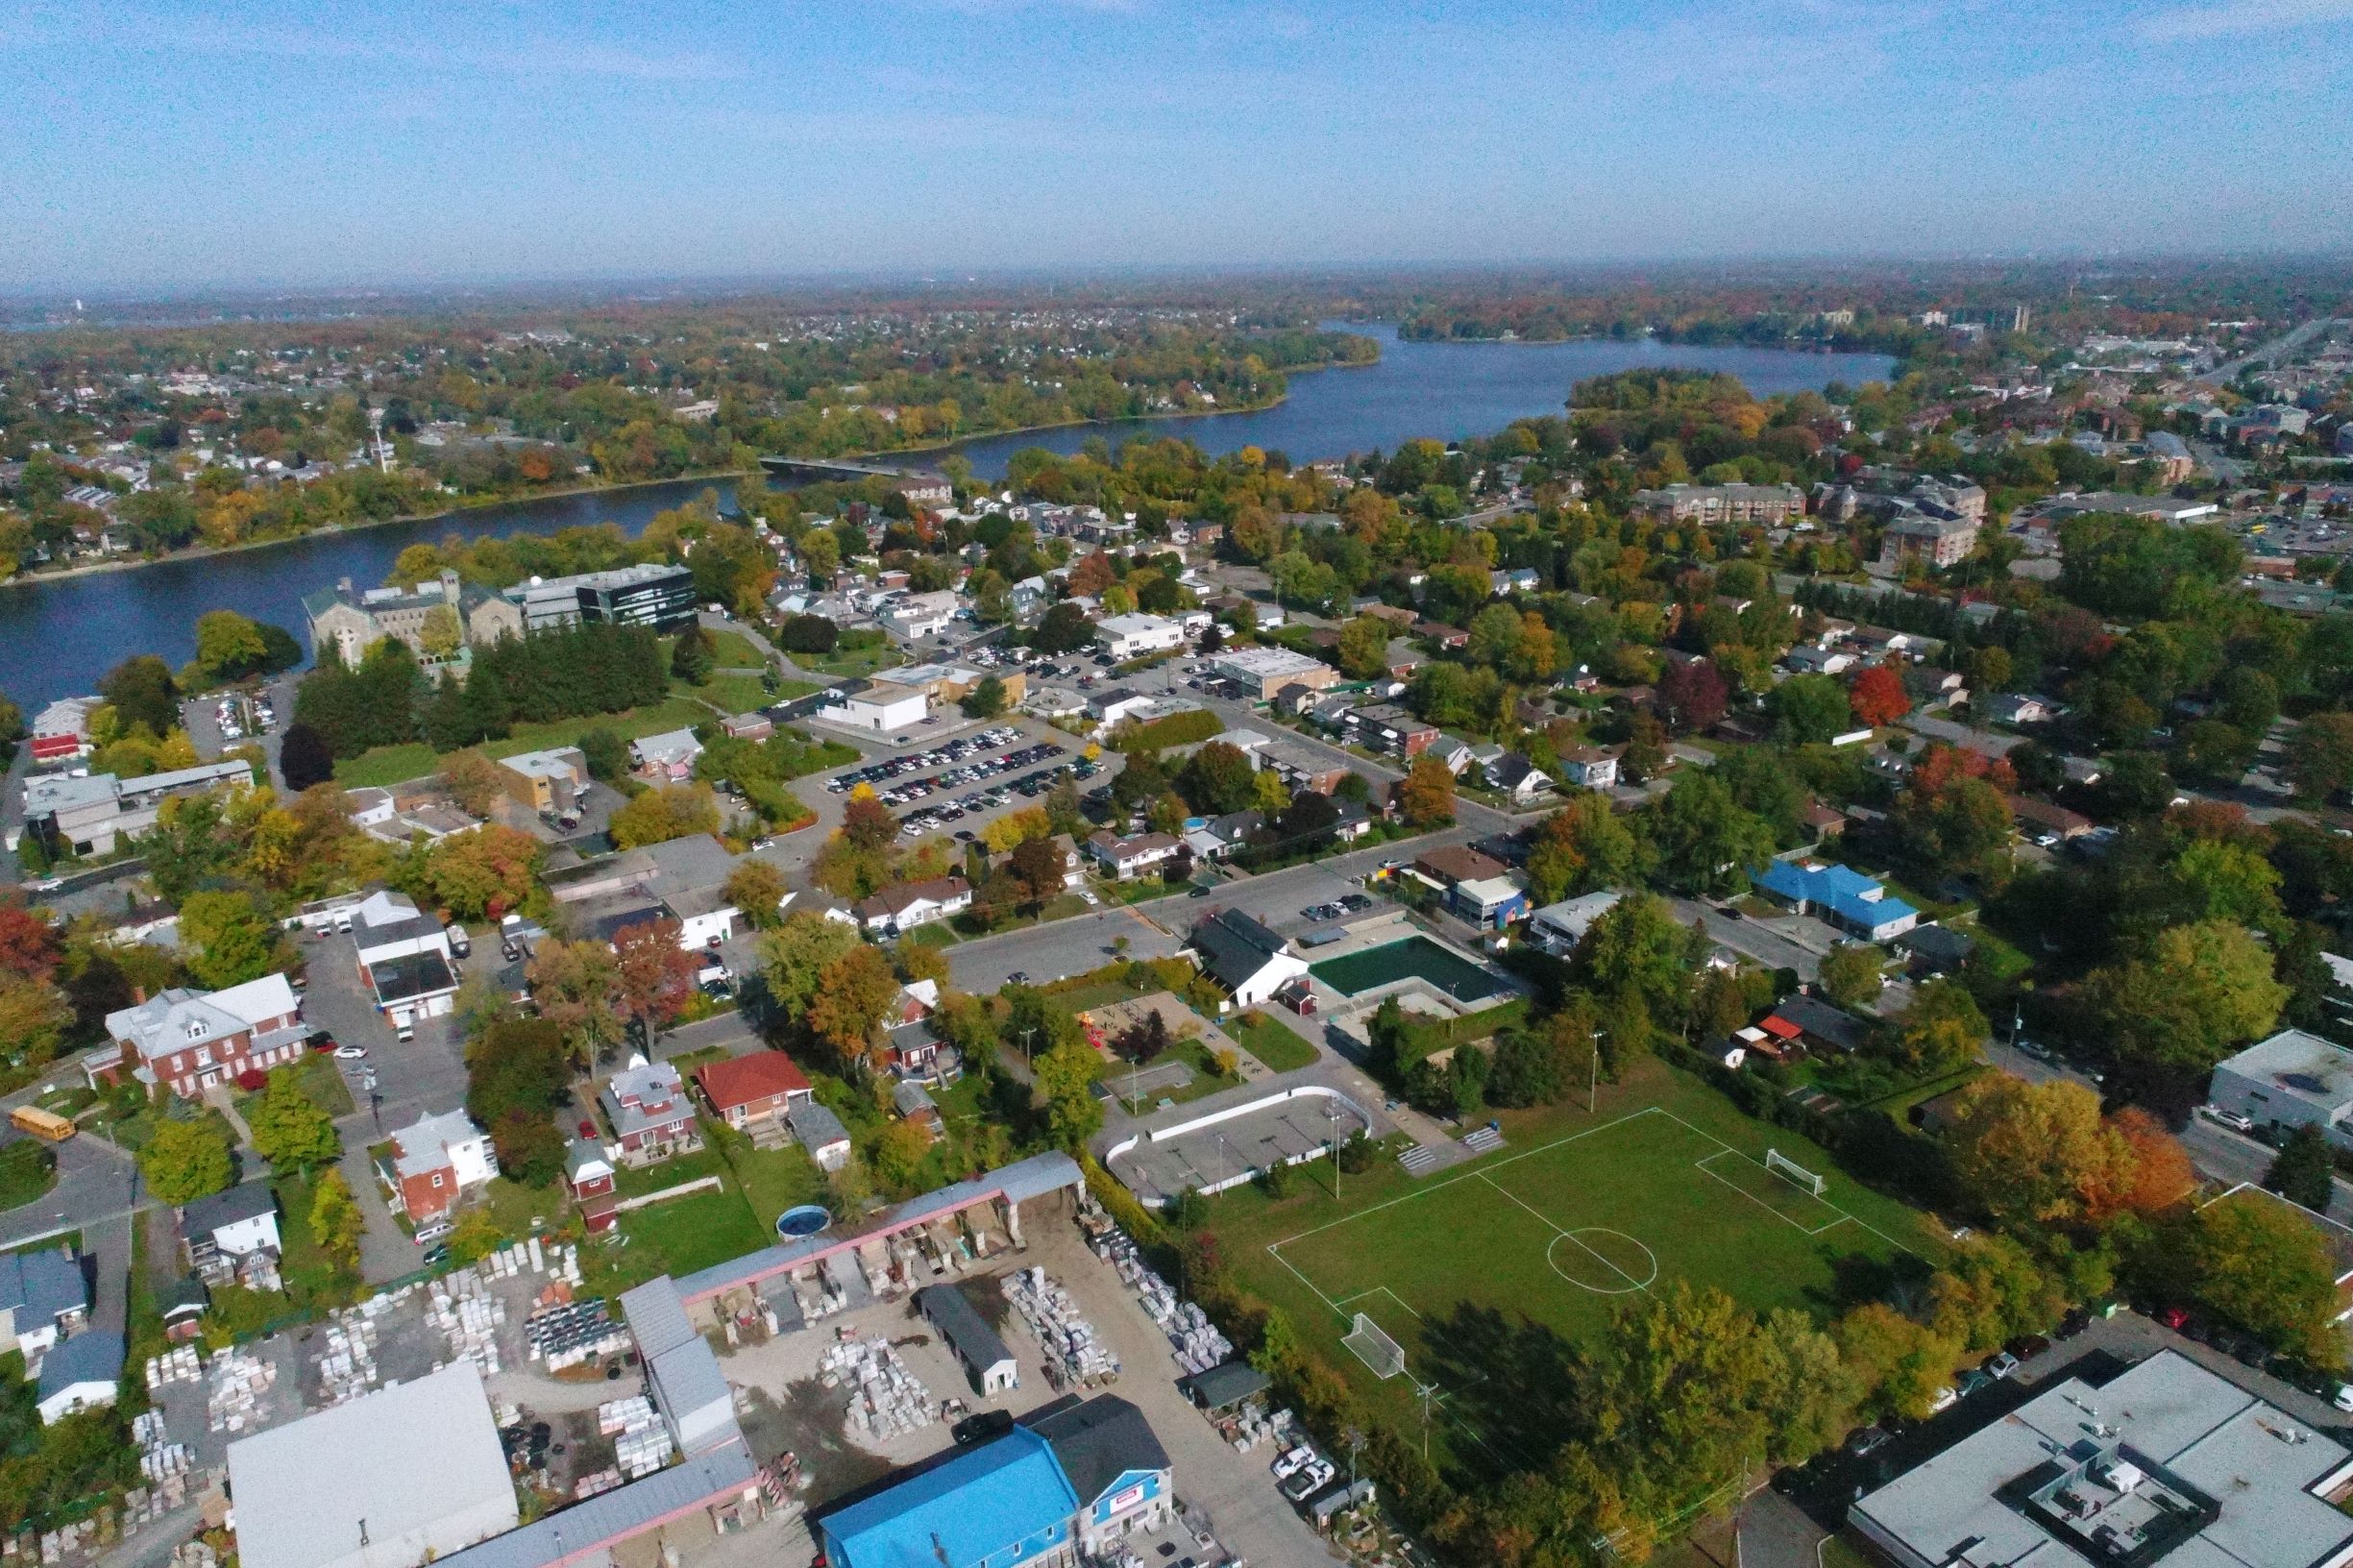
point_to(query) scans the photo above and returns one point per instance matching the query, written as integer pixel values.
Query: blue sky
(147, 143)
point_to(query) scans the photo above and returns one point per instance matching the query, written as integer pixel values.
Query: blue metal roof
(966, 1512)
(1842, 890)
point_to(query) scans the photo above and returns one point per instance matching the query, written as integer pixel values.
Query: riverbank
(201, 553)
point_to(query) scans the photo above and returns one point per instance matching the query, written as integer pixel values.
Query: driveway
(1751, 939)
(413, 1078)
(385, 1251)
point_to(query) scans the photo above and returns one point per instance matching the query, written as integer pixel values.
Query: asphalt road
(1753, 938)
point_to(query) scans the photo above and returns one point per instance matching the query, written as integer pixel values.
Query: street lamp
(1593, 1076)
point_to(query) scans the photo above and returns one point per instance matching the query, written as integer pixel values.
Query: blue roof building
(1076, 1477)
(1839, 894)
(998, 1505)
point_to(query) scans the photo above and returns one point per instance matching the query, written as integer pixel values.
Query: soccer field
(1544, 1241)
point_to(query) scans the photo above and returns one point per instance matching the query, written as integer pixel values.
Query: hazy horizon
(262, 147)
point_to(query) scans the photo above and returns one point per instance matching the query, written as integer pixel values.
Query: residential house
(1811, 1022)
(1590, 767)
(1519, 778)
(1384, 727)
(650, 1117)
(1221, 836)
(1839, 894)
(915, 1001)
(1246, 957)
(44, 1295)
(1073, 864)
(405, 956)
(910, 905)
(2040, 819)
(588, 1171)
(1489, 902)
(2015, 709)
(820, 1132)
(219, 1233)
(1125, 859)
(916, 1053)
(1453, 750)
(189, 1040)
(759, 1087)
(1806, 659)
(85, 1373)
(667, 758)
(683, 879)
(1557, 928)
(435, 1162)
(913, 1105)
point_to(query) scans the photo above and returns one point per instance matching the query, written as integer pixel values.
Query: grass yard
(28, 1168)
(690, 1233)
(389, 765)
(850, 661)
(1488, 1272)
(733, 650)
(1270, 1042)
(730, 694)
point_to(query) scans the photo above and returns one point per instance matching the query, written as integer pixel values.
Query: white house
(1518, 777)
(1246, 958)
(1127, 859)
(1589, 768)
(232, 1224)
(910, 904)
(1133, 636)
(668, 757)
(881, 708)
(1557, 928)
(82, 1374)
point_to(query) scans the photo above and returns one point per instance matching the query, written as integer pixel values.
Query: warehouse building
(2165, 1462)
(354, 1487)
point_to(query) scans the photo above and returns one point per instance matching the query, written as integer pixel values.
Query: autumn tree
(794, 957)
(1428, 793)
(1584, 845)
(337, 1223)
(1940, 1030)
(2259, 1264)
(1063, 1078)
(228, 941)
(2320, 755)
(1854, 974)
(573, 984)
(184, 1161)
(652, 975)
(757, 889)
(474, 781)
(854, 992)
(1365, 648)
(2199, 992)
(1877, 696)
(2033, 1153)
(289, 1128)
(1691, 694)
(668, 811)
(486, 872)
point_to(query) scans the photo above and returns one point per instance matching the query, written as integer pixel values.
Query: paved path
(1775, 1532)
(385, 1250)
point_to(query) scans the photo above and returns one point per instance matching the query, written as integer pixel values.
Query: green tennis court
(1414, 956)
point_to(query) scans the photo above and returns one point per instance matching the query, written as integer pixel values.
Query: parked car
(2028, 1347)
(1313, 1479)
(1946, 1399)
(434, 1229)
(351, 1053)
(1869, 1439)
(2001, 1365)
(981, 1426)
(1972, 1381)
(2231, 1120)
(436, 1255)
(1287, 1465)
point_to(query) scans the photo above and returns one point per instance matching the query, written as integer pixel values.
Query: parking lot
(971, 760)
(414, 1077)
(1042, 955)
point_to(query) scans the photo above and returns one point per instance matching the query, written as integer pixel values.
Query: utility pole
(1593, 1075)
(1025, 1037)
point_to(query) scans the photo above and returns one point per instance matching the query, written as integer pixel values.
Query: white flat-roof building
(1266, 670)
(1133, 636)
(2165, 1463)
(2290, 1080)
(392, 1479)
(881, 708)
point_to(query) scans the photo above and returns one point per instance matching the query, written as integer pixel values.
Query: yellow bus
(46, 1125)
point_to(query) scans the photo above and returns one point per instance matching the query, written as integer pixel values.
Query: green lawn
(731, 694)
(774, 1179)
(733, 650)
(312, 1278)
(1190, 1053)
(1487, 1270)
(389, 765)
(1272, 1044)
(852, 661)
(28, 1168)
(690, 1233)
(637, 1180)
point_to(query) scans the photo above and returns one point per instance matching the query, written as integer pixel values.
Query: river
(56, 637)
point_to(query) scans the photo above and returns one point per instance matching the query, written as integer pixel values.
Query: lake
(58, 637)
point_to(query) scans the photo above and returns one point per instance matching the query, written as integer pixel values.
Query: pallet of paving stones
(180, 1364)
(1074, 1352)
(580, 1330)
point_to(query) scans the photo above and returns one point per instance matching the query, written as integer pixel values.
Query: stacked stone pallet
(348, 1368)
(470, 1316)
(1197, 1344)
(617, 1416)
(602, 1481)
(181, 1365)
(1074, 1352)
(574, 1331)
(886, 1400)
(237, 1391)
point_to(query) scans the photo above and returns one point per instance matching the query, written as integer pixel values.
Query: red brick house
(762, 1087)
(647, 1106)
(590, 1176)
(189, 1040)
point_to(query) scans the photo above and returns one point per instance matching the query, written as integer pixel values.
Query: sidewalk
(385, 1251)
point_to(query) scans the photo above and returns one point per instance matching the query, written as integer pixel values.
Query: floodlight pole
(1593, 1075)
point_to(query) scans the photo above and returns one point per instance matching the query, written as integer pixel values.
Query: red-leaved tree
(1877, 695)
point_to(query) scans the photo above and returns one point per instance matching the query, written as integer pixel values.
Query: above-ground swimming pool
(805, 1220)
(1414, 957)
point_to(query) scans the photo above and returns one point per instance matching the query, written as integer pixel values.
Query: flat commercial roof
(397, 1474)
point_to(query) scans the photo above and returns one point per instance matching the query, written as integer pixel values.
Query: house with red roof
(762, 1087)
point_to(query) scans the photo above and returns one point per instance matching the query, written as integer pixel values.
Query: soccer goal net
(1776, 1161)
(1375, 1349)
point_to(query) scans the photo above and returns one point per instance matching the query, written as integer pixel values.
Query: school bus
(46, 1125)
